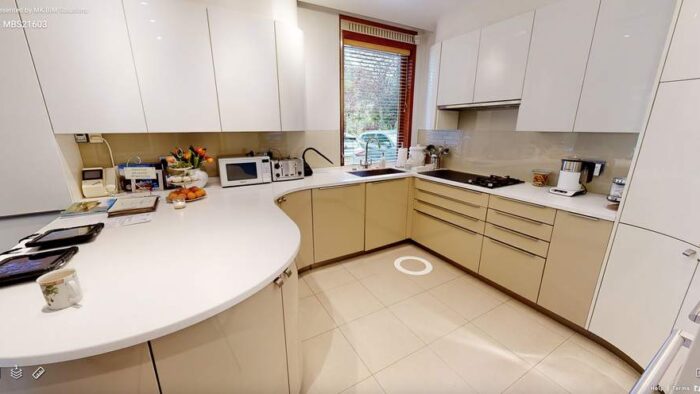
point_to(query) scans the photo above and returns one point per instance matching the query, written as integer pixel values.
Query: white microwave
(241, 171)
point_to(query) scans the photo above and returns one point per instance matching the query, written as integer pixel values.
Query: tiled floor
(367, 328)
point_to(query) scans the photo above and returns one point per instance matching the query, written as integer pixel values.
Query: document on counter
(121, 221)
(133, 205)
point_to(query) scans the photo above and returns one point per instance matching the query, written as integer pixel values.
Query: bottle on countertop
(382, 161)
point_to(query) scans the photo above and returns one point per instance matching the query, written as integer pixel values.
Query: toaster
(287, 169)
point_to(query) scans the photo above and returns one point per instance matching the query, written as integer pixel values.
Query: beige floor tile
(442, 271)
(304, 289)
(327, 278)
(535, 382)
(485, 288)
(349, 302)
(543, 319)
(381, 339)
(604, 354)
(367, 386)
(330, 364)
(580, 371)
(391, 287)
(486, 365)
(519, 332)
(313, 318)
(421, 372)
(427, 317)
(376, 263)
(465, 298)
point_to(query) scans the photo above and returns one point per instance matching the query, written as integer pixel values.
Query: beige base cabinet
(575, 256)
(127, 370)
(457, 244)
(298, 207)
(515, 269)
(386, 212)
(241, 350)
(290, 304)
(339, 221)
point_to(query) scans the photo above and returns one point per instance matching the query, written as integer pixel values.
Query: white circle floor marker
(425, 271)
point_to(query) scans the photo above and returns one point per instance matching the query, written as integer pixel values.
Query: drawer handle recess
(336, 186)
(578, 215)
(449, 211)
(448, 223)
(523, 202)
(454, 187)
(530, 237)
(510, 215)
(449, 198)
(525, 252)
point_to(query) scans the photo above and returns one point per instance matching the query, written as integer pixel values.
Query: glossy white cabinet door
(85, 67)
(245, 61)
(502, 59)
(683, 61)
(561, 39)
(620, 78)
(432, 90)
(458, 69)
(643, 287)
(170, 40)
(663, 193)
(292, 82)
(27, 146)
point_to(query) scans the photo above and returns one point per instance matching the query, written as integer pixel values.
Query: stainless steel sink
(380, 171)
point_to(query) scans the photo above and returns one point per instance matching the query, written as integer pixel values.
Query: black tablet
(66, 236)
(27, 267)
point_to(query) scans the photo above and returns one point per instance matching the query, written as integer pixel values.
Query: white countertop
(144, 281)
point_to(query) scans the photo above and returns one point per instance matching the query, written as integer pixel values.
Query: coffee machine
(574, 173)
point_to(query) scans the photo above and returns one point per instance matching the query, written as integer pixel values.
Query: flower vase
(201, 177)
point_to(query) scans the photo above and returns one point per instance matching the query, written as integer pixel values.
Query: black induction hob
(491, 181)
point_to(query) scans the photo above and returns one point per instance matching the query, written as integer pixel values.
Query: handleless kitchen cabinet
(683, 61)
(435, 118)
(458, 244)
(386, 212)
(645, 281)
(172, 52)
(571, 273)
(297, 206)
(628, 42)
(245, 60)
(511, 267)
(290, 304)
(291, 74)
(27, 141)
(85, 67)
(339, 221)
(503, 51)
(458, 69)
(561, 40)
(663, 191)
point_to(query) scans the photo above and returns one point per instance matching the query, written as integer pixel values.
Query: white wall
(16, 227)
(281, 10)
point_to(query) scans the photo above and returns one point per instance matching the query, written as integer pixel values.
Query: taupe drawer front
(524, 209)
(463, 221)
(458, 245)
(464, 208)
(522, 225)
(512, 268)
(477, 198)
(514, 238)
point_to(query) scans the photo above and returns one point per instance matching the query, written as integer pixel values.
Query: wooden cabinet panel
(127, 370)
(456, 193)
(625, 55)
(297, 206)
(291, 74)
(523, 209)
(465, 222)
(290, 304)
(457, 244)
(645, 281)
(172, 52)
(85, 67)
(503, 50)
(669, 156)
(245, 60)
(460, 207)
(512, 268)
(519, 240)
(386, 212)
(241, 350)
(458, 69)
(683, 61)
(561, 39)
(339, 221)
(520, 224)
(573, 265)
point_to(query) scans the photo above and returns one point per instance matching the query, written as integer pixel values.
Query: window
(378, 65)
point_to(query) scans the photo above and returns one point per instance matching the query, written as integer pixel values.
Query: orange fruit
(199, 193)
(191, 196)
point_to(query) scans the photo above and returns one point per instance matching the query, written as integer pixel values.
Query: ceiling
(421, 14)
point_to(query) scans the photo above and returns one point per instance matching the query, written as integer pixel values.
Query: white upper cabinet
(85, 66)
(645, 281)
(432, 89)
(663, 193)
(291, 73)
(561, 39)
(172, 52)
(245, 61)
(621, 75)
(683, 61)
(28, 147)
(503, 53)
(458, 69)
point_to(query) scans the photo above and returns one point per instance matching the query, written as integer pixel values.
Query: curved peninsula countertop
(148, 280)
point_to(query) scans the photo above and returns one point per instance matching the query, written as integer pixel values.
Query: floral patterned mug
(61, 288)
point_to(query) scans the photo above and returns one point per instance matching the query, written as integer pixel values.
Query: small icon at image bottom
(38, 372)
(16, 372)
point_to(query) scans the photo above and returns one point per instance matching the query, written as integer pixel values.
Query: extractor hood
(483, 104)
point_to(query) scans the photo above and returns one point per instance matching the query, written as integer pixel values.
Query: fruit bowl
(190, 194)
